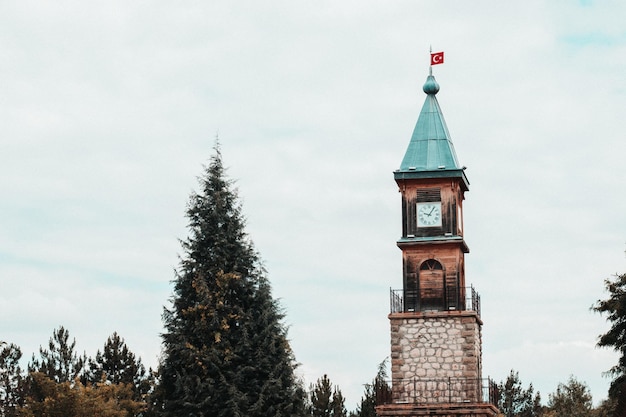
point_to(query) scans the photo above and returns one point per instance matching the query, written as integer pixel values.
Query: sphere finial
(431, 86)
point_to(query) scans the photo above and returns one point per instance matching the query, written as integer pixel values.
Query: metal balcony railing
(463, 299)
(437, 391)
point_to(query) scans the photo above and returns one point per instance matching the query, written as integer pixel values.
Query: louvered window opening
(429, 195)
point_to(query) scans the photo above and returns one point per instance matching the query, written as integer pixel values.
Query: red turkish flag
(436, 58)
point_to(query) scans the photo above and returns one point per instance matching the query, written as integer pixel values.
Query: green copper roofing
(430, 148)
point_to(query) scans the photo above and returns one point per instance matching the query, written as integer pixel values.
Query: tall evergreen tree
(367, 405)
(338, 405)
(11, 380)
(226, 351)
(376, 393)
(615, 307)
(118, 365)
(59, 362)
(515, 401)
(326, 400)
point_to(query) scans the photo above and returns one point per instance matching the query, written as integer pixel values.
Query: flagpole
(430, 69)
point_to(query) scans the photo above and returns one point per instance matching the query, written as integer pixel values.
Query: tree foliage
(367, 405)
(572, 399)
(11, 380)
(59, 362)
(606, 408)
(515, 401)
(118, 365)
(47, 397)
(225, 348)
(378, 391)
(617, 395)
(58, 384)
(326, 400)
(615, 309)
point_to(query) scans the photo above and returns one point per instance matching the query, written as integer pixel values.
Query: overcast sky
(110, 109)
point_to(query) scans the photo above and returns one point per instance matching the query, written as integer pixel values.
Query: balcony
(408, 301)
(420, 391)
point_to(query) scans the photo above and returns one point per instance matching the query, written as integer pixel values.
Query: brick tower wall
(436, 357)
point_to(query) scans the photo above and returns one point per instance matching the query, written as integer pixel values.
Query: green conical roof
(430, 152)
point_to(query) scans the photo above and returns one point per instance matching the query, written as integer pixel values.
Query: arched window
(431, 285)
(431, 265)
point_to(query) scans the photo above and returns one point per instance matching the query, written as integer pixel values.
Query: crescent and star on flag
(436, 58)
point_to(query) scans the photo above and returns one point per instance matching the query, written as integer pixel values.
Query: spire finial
(431, 86)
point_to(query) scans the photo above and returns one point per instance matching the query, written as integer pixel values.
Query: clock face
(429, 214)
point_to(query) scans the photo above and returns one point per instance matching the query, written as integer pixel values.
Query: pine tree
(11, 380)
(118, 365)
(376, 393)
(326, 401)
(615, 337)
(59, 362)
(515, 401)
(367, 406)
(338, 404)
(225, 348)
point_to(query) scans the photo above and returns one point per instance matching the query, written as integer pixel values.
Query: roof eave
(440, 173)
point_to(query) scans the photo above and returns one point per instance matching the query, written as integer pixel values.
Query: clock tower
(436, 345)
